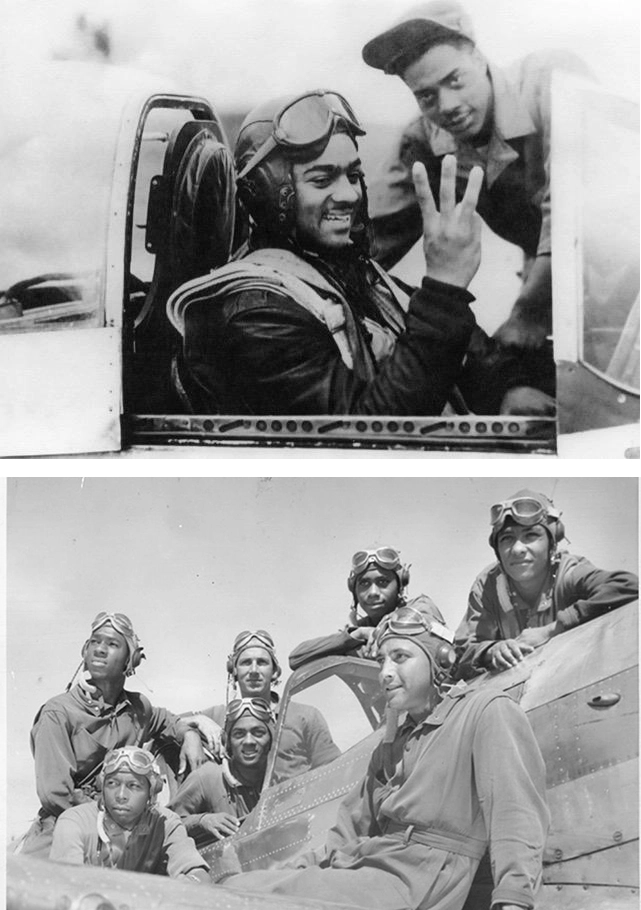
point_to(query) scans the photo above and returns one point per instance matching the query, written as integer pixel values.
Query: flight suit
(579, 592)
(412, 834)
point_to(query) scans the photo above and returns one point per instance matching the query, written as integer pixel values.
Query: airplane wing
(34, 884)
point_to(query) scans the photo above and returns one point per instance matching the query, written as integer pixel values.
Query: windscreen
(57, 157)
(610, 221)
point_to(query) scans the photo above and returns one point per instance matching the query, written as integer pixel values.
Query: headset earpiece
(404, 576)
(137, 657)
(445, 657)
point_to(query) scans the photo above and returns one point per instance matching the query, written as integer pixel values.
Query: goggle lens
(138, 759)
(119, 620)
(307, 120)
(258, 707)
(409, 621)
(524, 511)
(386, 557)
(304, 122)
(263, 637)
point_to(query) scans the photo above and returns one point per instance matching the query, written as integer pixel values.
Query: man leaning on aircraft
(497, 119)
(534, 590)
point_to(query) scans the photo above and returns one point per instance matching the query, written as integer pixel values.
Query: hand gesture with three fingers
(451, 236)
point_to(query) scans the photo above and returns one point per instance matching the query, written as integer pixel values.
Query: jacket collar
(440, 712)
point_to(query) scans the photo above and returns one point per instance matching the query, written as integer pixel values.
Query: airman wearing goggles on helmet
(71, 732)
(304, 123)
(304, 322)
(214, 800)
(253, 670)
(458, 772)
(534, 591)
(126, 829)
(377, 581)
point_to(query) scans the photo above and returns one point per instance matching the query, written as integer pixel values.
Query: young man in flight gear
(125, 829)
(215, 798)
(306, 322)
(377, 582)
(72, 731)
(460, 772)
(253, 669)
(534, 591)
(496, 119)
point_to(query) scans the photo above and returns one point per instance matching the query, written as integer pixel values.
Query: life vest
(283, 272)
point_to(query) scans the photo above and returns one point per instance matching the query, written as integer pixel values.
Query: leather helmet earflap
(267, 193)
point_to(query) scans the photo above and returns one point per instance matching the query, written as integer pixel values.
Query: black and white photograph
(410, 693)
(319, 228)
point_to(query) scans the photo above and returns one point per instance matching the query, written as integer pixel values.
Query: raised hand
(451, 236)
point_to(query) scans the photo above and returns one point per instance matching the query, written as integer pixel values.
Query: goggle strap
(259, 155)
(442, 632)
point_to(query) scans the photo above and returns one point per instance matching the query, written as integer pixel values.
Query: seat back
(190, 228)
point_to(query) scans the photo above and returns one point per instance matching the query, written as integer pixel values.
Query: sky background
(240, 52)
(194, 561)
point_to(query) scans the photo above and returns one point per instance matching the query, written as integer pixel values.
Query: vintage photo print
(465, 649)
(319, 226)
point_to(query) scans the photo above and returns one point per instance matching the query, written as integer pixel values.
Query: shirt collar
(440, 712)
(92, 698)
(511, 119)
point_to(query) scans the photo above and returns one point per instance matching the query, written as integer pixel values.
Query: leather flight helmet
(266, 190)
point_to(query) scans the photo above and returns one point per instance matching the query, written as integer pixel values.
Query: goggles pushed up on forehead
(260, 635)
(525, 511)
(257, 707)
(304, 122)
(385, 557)
(410, 621)
(138, 760)
(119, 621)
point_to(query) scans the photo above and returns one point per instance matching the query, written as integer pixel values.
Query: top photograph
(319, 227)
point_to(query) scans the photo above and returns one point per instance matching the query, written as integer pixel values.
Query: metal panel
(595, 650)
(616, 866)
(596, 812)
(583, 732)
(578, 897)
(65, 392)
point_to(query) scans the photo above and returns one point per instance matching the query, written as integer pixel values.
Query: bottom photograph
(374, 693)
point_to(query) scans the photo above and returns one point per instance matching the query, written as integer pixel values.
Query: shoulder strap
(263, 271)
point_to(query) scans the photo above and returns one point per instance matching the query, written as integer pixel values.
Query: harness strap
(248, 275)
(430, 837)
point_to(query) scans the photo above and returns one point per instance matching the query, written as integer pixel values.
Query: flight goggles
(409, 621)
(526, 511)
(257, 707)
(119, 621)
(140, 761)
(303, 122)
(243, 640)
(385, 557)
